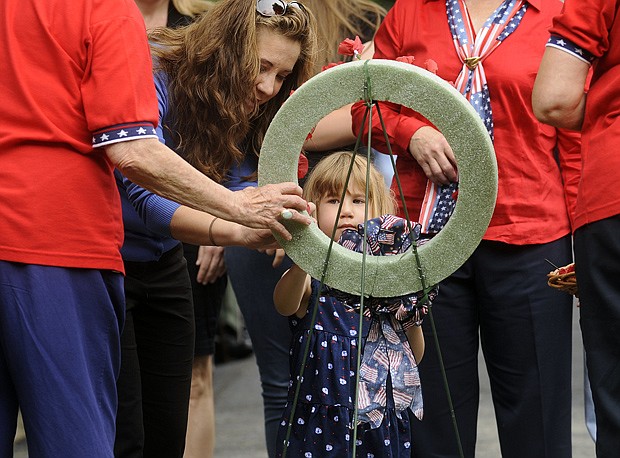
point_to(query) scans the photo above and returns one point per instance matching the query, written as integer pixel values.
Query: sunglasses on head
(270, 8)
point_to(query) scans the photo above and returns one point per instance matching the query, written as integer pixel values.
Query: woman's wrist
(211, 235)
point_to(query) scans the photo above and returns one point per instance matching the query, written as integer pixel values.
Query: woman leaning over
(219, 81)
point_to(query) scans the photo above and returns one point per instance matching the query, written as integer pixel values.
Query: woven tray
(564, 279)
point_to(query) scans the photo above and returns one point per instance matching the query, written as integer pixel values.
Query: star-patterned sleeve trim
(123, 132)
(556, 41)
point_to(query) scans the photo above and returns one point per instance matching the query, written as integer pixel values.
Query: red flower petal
(331, 65)
(302, 166)
(350, 47)
(406, 59)
(431, 66)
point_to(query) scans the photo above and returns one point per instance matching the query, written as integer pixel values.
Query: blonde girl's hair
(329, 176)
(211, 66)
(340, 19)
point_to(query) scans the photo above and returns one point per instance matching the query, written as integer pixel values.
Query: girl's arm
(416, 340)
(292, 293)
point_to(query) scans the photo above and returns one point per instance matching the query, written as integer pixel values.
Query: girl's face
(278, 55)
(351, 215)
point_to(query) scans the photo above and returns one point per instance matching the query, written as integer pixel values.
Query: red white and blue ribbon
(472, 48)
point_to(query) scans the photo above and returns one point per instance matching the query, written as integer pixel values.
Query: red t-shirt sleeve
(586, 24)
(118, 86)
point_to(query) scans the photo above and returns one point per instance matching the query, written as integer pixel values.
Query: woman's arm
(151, 164)
(200, 228)
(292, 293)
(558, 97)
(334, 130)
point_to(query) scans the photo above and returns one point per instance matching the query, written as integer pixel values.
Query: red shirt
(70, 70)
(593, 25)
(534, 193)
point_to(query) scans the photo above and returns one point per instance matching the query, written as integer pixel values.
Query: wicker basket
(564, 279)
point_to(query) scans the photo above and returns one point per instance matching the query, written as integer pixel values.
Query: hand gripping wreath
(449, 111)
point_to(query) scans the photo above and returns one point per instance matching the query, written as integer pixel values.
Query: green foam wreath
(449, 111)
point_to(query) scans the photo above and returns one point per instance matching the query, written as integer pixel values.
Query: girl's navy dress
(323, 415)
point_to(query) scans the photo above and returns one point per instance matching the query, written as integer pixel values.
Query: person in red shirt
(490, 50)
(585, 40)
(78, 101)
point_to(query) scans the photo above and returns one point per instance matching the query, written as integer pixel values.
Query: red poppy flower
(351, 47)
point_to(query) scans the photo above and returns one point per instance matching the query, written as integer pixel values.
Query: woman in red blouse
(490, 50)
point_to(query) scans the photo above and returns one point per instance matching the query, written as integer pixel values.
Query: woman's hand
(431, 150)
(211, 264)
(262, 207)
(259, 239)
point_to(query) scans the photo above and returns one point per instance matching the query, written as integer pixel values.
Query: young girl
(322, 415)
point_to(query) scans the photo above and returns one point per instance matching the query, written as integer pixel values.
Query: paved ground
(240, 425)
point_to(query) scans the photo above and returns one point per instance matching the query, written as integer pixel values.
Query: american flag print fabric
(437, 207)
(387, 354)
(472, 48)
(387, 235)
(568, 46)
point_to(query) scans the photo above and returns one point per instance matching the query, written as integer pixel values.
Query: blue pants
(597, 262)
(59, 359)
(500, 298)
(253, 280)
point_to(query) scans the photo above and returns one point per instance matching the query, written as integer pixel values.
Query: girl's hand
(211, 264)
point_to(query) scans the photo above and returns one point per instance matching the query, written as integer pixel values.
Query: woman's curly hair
(211, 66)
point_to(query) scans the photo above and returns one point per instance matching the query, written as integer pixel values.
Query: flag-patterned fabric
(386, 350)
(472, 48)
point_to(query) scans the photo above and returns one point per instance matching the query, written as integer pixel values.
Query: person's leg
(163, 321)
(200, 440)
(201, 424)
(165, 337)
(129, 440)
(526, 337)
(588, 404)
(8, 396)
(597, 264)
(456, 320)
(254, 279)
(62, 329)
